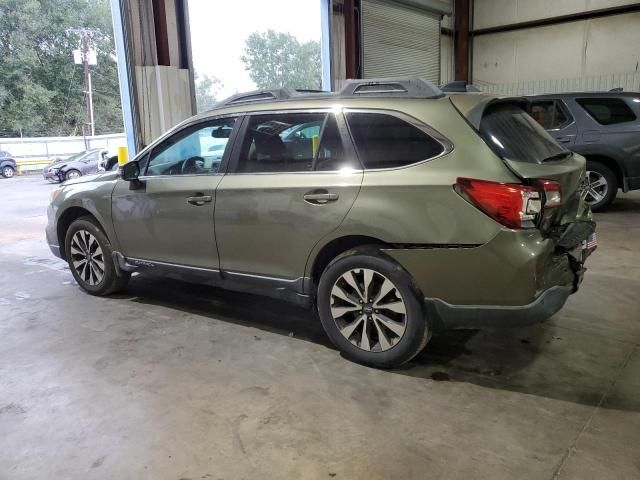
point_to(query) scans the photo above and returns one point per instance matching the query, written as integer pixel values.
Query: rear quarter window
(386, 141)
(607, 111)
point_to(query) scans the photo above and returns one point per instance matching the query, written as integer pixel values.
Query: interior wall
(492, 13)
(573, 50)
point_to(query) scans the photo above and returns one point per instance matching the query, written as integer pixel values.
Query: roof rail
(617, 89)
(402, 86)
(259, 95)
(459, 86)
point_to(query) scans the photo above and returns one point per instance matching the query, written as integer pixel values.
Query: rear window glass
(386, 141)
(607, 111)
(514, 135)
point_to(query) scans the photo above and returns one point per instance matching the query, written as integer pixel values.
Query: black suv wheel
(88, 253)
(370, 309)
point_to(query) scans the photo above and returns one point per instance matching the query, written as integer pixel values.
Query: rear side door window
(387, 141)
(292, 142)
(607, 111)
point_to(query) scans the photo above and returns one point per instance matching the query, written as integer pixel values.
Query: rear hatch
(532, 155)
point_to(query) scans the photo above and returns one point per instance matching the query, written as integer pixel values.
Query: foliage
(276, 59)
(207, 89)
(41, 90)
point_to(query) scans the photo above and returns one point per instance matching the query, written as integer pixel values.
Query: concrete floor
(179, 381)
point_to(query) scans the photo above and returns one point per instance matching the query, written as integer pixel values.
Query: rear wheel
(370, 309)
(599, 187)
(8, 171)
(88, 252)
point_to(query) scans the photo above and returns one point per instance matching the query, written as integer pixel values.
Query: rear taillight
(552, 194)
(512, 204)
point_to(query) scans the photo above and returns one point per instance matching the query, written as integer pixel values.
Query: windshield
(514, 135)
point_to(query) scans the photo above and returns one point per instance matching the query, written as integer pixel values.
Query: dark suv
(8, 165)
(604, 127)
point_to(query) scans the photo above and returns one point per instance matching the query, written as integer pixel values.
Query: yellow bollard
(314, 144)
(123, 157)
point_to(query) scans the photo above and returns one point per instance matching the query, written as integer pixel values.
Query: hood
(99, 177)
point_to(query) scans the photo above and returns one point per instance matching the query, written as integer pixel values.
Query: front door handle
(320, 197)
(199, 200)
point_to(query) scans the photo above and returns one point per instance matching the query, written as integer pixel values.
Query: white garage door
(400, 41)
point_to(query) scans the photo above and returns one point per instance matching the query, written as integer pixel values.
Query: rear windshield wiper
(558, 156)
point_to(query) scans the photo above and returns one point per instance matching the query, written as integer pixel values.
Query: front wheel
(72, 174)
(8, 171)
(88, 253)
(371, 310)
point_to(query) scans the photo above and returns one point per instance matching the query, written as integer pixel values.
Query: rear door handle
(199, 200)
(320, 197)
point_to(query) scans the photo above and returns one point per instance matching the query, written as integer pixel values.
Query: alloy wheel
(7, 172)
(594, 187)
(72, 175)
(368, 310)
(87, 257)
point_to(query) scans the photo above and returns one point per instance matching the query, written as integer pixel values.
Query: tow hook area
(578, 270)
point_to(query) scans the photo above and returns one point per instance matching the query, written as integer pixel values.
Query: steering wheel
(192, 165)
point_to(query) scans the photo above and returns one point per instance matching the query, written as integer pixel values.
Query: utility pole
(87, 82)
(83, 56)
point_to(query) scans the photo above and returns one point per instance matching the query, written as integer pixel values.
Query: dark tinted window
(513, 134)
(550, 114)
(607, 111)
(292, 142)
(196, 150)
(386, 141)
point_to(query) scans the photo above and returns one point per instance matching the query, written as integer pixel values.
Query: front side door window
(197, 150)
(550, 114)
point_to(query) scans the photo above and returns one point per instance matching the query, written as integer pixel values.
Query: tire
(597, 194)
(392, 338)
(8, 171)
(71, 174)
(84, 232)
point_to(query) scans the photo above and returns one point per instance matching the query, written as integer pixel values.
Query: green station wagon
(392, 208)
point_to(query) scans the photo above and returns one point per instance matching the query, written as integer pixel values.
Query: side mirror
(130, 171)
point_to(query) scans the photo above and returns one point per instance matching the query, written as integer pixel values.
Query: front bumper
(50, 175)
(52, 234)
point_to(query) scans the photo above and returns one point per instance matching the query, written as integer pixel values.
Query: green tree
(276, 59)
(41, 90)
(207, 89)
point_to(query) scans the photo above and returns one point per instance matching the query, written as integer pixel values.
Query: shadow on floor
(531, 360)
(624, 203)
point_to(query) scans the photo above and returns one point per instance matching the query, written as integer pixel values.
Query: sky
(219, 29)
